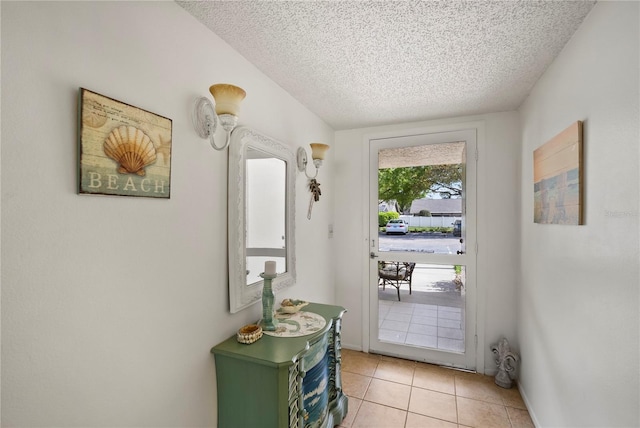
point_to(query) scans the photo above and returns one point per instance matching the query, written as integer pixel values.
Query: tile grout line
(364, 395)
(406, 417)
(455, 394)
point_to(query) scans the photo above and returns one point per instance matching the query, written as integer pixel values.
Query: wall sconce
(318, 151)
(206, 115)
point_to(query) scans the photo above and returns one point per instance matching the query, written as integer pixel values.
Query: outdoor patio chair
(395, 274)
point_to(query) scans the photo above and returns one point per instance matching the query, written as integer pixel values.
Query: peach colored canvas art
(558, 178)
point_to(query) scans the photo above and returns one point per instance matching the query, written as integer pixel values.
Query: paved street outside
(421, 242)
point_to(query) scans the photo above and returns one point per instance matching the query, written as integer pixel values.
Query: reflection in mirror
(261, 215)
(265, 216)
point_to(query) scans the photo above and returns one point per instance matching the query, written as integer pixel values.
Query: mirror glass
(265, 213)
(261, 215)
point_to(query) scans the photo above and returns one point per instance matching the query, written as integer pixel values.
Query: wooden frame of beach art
(558, 179)
(124, 150)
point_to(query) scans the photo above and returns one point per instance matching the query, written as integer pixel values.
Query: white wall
(497, 219)
(578, 298)
(110, 305)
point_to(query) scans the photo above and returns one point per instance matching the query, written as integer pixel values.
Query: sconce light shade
(206, 116)
(318, 151)
(228, 98)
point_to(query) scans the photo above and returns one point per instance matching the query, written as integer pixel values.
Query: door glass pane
(422, 305)
(420, 194)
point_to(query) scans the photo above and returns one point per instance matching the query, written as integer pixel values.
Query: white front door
(422, 291)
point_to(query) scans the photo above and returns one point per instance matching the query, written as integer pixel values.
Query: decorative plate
(297, 324)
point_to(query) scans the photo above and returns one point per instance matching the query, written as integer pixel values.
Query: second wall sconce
(206, 115)
(318, 151)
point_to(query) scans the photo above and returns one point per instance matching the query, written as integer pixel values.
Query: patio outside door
(422, 283)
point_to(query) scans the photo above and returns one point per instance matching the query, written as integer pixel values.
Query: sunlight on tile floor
(429, 326)
(388, 392)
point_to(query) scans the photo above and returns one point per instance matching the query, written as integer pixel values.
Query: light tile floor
(430, 326)
(388, 392)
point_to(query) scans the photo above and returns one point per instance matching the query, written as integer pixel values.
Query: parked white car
(397, 226)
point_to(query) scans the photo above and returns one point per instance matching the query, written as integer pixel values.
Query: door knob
(373, 255)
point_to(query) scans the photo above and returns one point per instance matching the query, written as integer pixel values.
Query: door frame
(479, 127)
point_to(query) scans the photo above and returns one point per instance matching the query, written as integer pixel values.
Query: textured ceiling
(366, 63)
(429, 154)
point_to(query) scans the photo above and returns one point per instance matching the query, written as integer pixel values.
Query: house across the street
(437, 207)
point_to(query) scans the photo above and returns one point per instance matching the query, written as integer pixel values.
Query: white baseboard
(527, 403)
(351, 347)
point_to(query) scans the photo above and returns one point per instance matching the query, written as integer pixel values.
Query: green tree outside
(404, 185)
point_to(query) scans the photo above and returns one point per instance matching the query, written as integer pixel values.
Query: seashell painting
(124, 150)
(131, 148)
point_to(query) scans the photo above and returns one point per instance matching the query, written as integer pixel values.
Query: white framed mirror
(261, 215)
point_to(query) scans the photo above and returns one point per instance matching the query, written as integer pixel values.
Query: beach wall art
(558, 179)
(124, 150)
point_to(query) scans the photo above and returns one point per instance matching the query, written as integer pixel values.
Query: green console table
(283, 382)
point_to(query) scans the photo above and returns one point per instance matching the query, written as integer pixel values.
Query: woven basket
(249, 333)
